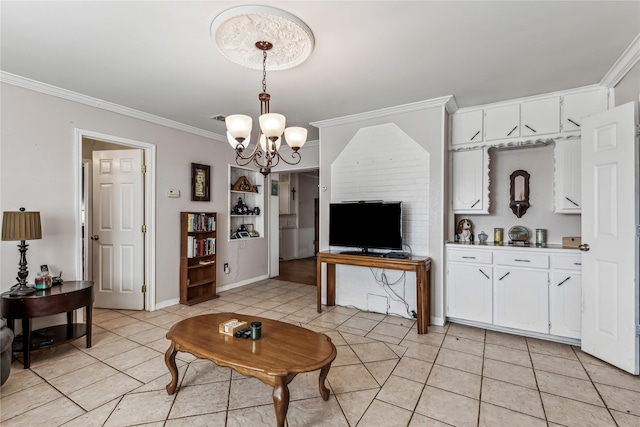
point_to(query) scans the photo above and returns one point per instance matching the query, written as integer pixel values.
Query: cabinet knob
(584, 247)
(531, 129)
(512, 130)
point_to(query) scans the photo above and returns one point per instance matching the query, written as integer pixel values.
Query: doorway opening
(88, 237)
(297, 213)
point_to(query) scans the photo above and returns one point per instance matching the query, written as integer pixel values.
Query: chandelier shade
(295, 136)
(272, 125)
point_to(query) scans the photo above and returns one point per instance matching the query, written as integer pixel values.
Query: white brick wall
(383, 163)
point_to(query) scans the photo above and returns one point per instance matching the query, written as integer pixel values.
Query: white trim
(446, 101)
(150, 205)
(168, 303)
(230, 286)
(627, 60)
(47, 89)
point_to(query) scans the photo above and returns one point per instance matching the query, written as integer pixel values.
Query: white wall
(38, 171)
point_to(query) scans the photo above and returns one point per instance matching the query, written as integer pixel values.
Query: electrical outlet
(226, 268)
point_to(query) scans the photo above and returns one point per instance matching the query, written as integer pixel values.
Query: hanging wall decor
(200, 182)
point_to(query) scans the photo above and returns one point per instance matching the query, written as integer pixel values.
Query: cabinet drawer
(476, 256)
(523, 260)
(566, 262)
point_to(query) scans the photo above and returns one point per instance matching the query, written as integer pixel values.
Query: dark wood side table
(67, 297)
(420, 265)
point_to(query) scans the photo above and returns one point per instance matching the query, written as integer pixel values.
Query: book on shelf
(200, 247)
(200, 223)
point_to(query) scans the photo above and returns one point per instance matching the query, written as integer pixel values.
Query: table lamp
(21, 226)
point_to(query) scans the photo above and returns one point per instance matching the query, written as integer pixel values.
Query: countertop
(506, 245)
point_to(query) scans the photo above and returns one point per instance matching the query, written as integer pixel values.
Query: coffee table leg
(281, 400)
(170, 360)
(324, 391)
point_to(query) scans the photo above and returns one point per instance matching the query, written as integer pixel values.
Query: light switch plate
(173, 193)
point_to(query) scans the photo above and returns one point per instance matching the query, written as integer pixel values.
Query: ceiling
(159, 58)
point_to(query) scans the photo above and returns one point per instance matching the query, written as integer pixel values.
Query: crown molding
(446, 101)
(47, 89)
(627, 60)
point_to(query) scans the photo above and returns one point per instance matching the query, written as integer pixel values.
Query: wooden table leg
(89, 321)
(170, 361)
(281, 399)
(26, 342)
(324, 391)
(331, 284)
(422, 292)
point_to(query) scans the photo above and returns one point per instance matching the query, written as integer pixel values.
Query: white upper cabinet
(470, 181)
(567, 179)
(543, 116)
(540, 117)
(466, 127)
(502, 122)
(578, 105)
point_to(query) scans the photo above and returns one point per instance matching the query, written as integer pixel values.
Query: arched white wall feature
(384, 163)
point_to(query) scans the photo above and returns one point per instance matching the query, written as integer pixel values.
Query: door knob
(584, 247)
(95, 237)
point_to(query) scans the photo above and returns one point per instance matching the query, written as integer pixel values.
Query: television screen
(366, 225)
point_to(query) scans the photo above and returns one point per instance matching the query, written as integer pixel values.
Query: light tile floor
(385, 374)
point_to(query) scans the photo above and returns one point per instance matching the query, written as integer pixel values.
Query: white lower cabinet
(534, 290)
(522, 299)
(469, 293)
(565, 288)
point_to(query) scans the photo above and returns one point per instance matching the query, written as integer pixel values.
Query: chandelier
(242, 34)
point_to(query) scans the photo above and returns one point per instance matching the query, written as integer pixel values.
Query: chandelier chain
(264, 70)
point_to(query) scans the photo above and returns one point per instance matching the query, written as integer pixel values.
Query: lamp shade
(295, 136)
(239, 126)
(272, 124)
(21, 226)
(269, 147)
(234, 143)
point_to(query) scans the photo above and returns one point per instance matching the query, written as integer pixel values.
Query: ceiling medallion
(236, 30)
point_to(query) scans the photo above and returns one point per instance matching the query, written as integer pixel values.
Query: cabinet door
(469, 292)
(541, 116)
(466, 127)
(470, 181)
(567, 180)
(576, 106)
(565, 304)
(522, 300)
(284, 197)
(502, 122)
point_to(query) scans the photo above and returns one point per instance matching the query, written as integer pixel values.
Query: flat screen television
(366, 225)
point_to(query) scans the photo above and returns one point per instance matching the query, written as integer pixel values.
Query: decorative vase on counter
(482, 237)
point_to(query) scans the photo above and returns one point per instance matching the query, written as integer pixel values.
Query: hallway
(298, 270)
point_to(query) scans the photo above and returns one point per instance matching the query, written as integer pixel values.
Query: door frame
(149, 205)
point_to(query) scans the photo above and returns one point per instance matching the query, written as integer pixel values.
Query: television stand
(420, 265)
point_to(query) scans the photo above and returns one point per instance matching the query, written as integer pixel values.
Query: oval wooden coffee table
(284, 351)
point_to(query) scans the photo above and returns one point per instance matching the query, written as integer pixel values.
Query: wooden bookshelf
(197, 257)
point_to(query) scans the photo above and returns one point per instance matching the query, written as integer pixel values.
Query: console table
(420, 265)
(63, 298)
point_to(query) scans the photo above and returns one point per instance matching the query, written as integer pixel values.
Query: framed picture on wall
(274, 187)
(200, 182)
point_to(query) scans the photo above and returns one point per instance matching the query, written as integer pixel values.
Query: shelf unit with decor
(197, 257)
(246, 203)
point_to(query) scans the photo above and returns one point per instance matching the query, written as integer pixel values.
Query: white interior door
(609, 218)
(118, 241)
